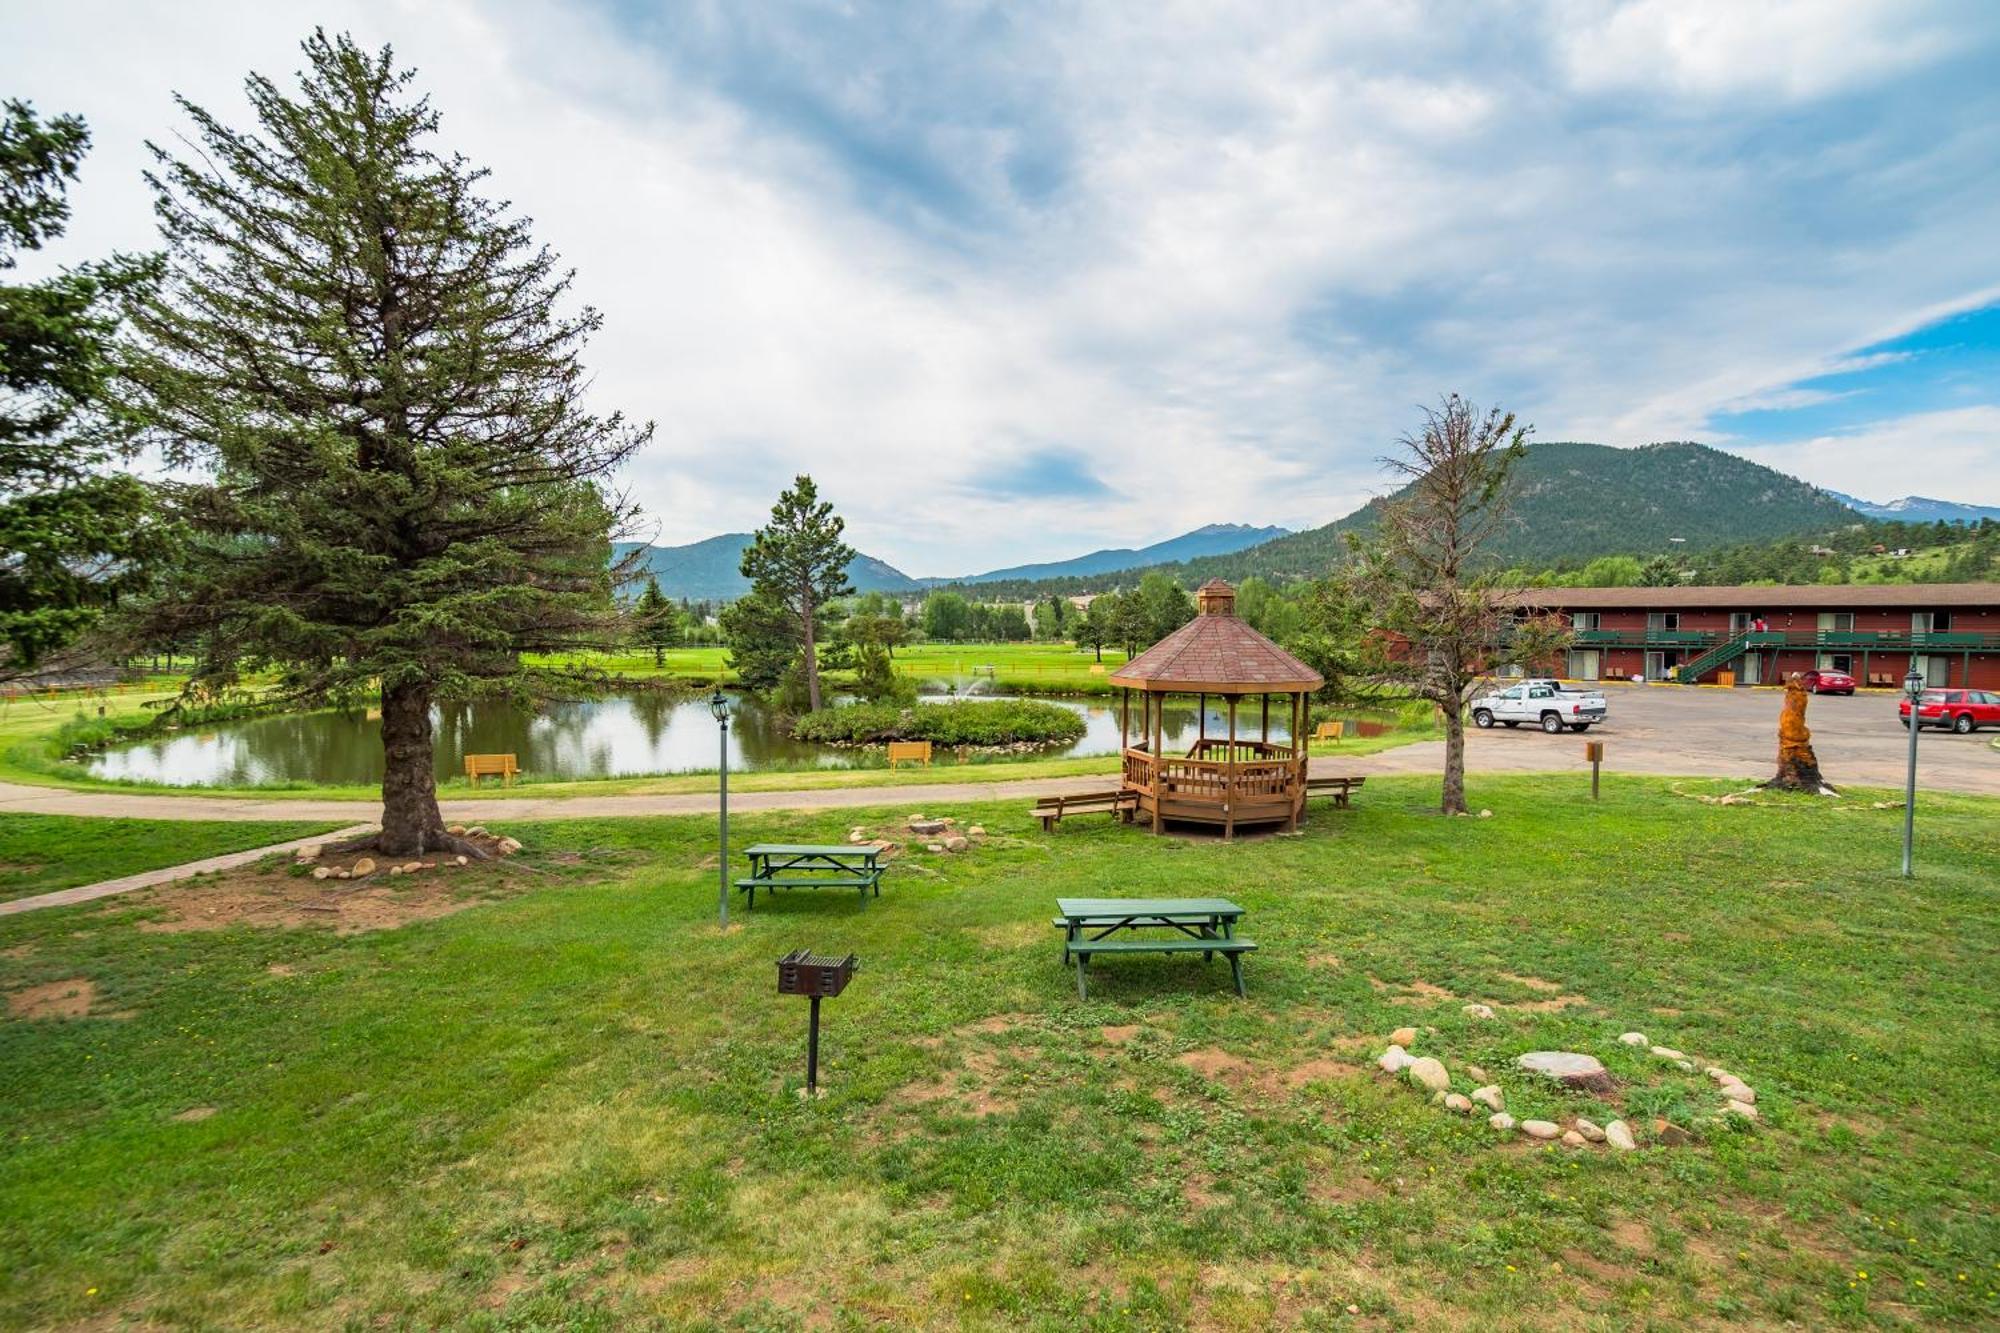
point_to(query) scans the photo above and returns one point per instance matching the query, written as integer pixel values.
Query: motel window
(1836, 622)
(1587, 620)
(1663, 620)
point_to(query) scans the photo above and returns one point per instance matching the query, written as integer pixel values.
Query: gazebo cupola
(1229, 779)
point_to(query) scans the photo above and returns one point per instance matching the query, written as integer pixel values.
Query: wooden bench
(909, 752)
(806, 866)
(1340, 789)
(1206, 926)
(502, 766)
(1118, 804)
(1329, 731)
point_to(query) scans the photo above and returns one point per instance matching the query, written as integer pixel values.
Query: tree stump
(1798, 766)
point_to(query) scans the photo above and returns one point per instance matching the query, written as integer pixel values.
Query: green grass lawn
(575, 1107)
(41, 853)
(1027, 667)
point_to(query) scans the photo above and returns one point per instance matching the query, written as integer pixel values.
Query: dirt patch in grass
(1117, 1034)
(1312, 1071)
(18, 951)
(1198, 1190)
(1542, 984)
(976, 1088)
(1412, 990)
(72, 997)
(194, 1113)
(1633, 1234)
(1549, 1006)
(277, 897)
(1216, 1065)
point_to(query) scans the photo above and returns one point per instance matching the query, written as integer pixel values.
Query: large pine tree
(74, 534)
(376, 371)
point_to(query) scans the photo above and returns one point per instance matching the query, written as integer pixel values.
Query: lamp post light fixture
(718, 704)
(1913, 689)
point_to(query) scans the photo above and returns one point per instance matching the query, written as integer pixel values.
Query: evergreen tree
(799, 562)
(1094, 630)
(656, 622)
(763, 639)
(376, 370)
(73, 536)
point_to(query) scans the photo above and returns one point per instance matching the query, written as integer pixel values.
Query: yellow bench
(502, 766)
(911, 752)
(1329, 731)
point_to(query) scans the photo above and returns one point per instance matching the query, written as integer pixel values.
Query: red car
(1961, 710)
(1830, 682)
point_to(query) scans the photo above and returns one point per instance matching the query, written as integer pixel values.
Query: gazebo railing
(1214, 780)
(1246, 751)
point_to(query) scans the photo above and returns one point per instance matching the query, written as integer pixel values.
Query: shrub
(999, 722)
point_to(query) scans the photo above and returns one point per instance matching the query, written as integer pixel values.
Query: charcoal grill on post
(816, 976)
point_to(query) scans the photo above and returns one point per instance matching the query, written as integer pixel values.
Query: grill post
(812, 1052)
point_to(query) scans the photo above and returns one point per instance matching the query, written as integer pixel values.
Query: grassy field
(41, 853)
(574, 1105)
(1025, 667)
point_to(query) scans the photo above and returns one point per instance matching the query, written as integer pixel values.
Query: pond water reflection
(615, 736)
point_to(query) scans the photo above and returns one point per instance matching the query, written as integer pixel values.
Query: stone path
(146, 879)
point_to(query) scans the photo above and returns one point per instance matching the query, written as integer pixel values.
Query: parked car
(1830, 682)
(1543, 702)
(1960, 710)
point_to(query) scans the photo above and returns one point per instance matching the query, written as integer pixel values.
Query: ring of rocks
(1570, 1069)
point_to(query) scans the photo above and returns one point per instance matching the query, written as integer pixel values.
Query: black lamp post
(718, 704)
(1913, 689)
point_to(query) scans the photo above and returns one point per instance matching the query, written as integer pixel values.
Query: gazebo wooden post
(1229, 779)
(1298, 759)
(1264, 731)
(1201, 721)
(1159, 767)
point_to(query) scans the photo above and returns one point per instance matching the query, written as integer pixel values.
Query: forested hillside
(1572, 502)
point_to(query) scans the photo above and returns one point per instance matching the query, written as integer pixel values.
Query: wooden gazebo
(1228, 779)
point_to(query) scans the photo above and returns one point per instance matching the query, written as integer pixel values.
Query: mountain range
(710, 569)
(1571, 501)
(1920, 509)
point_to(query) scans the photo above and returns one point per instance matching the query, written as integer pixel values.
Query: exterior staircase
(1719, 656)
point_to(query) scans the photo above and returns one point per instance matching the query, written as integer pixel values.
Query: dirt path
(146, 879)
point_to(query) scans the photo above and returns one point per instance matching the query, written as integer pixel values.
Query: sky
(1014, 281)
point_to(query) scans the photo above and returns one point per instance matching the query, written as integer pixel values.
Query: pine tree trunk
(812, 664)
(1798, 766)
(1454, 761)
(411, 825)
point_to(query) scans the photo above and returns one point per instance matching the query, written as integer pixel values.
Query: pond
(615, 736)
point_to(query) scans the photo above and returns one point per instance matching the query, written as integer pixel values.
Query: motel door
(1584, 664)
(1750, 669)
(1658, 664)
(1937, 671)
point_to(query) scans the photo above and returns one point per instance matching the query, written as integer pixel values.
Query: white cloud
(1271, 235)
(1789, 49)
(1948, 455)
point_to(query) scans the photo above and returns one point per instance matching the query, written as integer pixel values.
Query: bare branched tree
(1442, 614)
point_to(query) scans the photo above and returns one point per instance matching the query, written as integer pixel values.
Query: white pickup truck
(1543, 702)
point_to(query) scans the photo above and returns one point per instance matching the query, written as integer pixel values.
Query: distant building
(1694, 634)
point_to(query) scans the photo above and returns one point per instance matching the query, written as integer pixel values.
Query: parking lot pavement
(1701, 731)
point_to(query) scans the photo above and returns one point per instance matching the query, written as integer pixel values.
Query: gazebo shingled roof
(1217, 653)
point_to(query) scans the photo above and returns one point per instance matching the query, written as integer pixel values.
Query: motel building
(1711, 635)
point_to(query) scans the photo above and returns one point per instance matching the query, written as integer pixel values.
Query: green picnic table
(1206, 926)
(776, 865)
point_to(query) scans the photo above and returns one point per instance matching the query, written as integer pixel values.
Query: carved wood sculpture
(1798, 766)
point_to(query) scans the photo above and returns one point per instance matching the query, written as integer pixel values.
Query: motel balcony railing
(1830, 639)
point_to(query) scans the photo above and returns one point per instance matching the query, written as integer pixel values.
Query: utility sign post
(816, 976)
(1594, 752)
